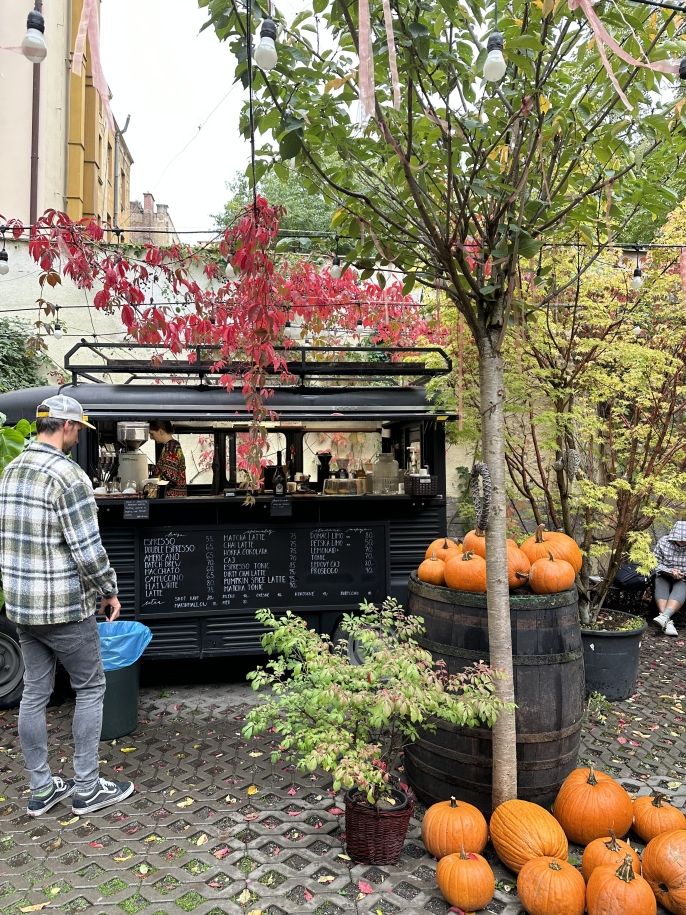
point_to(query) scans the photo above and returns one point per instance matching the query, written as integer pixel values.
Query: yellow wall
(90, 169)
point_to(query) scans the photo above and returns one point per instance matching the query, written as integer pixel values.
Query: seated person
(171, 464)
(670, 579)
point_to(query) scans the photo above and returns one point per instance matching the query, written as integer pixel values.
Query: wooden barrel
(549, 692)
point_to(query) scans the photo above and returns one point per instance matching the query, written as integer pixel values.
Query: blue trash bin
(121, 643)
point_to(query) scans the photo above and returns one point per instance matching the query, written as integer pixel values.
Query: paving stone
(195, 837)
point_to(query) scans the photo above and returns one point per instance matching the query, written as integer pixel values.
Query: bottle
(291, 464)
(279, 480)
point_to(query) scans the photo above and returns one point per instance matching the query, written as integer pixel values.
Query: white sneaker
(670, 629)
(661, 621)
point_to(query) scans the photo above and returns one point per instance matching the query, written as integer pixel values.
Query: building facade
(152, 222)
(58, 149)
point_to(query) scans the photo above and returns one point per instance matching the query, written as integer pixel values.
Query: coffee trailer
(196, 568)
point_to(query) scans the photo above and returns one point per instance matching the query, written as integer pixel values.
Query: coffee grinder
(133, 463)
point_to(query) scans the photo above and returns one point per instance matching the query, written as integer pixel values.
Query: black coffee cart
(196, 568)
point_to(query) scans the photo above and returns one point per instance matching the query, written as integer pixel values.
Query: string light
(57, 329)
(336, 270)
(637, 278)
(229, 272)
(33, 46)
(265, 53)
(495, 64)
(4, 256)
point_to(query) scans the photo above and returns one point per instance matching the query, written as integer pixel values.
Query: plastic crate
(424, 487)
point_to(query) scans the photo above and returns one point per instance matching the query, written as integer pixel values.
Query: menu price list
(237, 568)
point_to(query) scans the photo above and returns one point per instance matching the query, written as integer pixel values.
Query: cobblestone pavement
(215, 828)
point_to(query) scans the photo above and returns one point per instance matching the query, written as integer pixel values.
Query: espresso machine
(133, 463)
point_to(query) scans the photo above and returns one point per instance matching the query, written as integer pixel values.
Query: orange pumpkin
(653, 816)
(466, 573)
(518, 566)
(466, 880)
(619, 892)
(442, 548)
(548, 885)
(521, 831)
(550, 576)
(664, 867)
(608, 850)
(544, 542)
(475, 541)
(452, 826)
(590, 804)
(432, 571)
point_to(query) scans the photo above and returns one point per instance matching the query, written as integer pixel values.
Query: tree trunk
(498, 599)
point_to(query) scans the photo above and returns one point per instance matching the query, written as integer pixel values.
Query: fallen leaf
(336, 811)
(121, 858)
(326, 878)
(153, 838)
(308, 896)
(292, 792)
(221, 852)
(144, 869)
(126, 749)
(69, 821)
(55, 890)
(365, 887)
(187, 802)
(202, 839)
(255, 912)
(34, 908)
(96, 845)
(344, 857)
(256, 753)
(230, 799)
(621, 740)
(253, 789)
(244, 898)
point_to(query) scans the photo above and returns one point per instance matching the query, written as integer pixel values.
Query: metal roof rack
(88, 361)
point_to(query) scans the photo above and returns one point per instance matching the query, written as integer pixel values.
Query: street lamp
(33, 46)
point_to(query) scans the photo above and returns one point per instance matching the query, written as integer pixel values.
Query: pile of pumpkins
(547, 561)
(592, 810)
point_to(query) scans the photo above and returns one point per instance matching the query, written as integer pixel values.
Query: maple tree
(242, 320)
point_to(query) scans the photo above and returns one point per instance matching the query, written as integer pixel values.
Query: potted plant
(353, 721)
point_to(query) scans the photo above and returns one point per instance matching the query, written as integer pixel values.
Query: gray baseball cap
(62, 407)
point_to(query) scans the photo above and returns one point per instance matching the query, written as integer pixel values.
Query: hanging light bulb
(495, 64)
(33, 46)
(229, 272)
(4, 263)
(336, 270)
(637, 278)
(265, 52)
(57, 330)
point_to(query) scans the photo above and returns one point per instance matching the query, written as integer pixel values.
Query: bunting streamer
(89, 27)
(392, 56)
(603, 39)
(366, 75)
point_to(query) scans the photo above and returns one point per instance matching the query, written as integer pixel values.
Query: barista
(171, 464)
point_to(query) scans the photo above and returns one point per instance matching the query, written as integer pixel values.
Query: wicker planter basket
(376, 836)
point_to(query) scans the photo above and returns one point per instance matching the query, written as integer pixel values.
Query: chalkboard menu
(214, 569)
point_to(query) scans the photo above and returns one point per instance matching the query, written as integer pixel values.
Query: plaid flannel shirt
(54, 566)
(668, 554)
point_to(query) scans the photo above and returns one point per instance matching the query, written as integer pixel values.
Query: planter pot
(374, 835)
(611, 659)
(549, 692)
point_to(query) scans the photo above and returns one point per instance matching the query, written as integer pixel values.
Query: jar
(385, 475)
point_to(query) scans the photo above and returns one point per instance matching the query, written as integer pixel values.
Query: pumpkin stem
(625, 871)
(591, 780)
(540, 531)
(467, 556)
(453, 802)
(555, 866)
(658, 799)
(479, 532)
(550, 556)
(613, 844)
(524, 575)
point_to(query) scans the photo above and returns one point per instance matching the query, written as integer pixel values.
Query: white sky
(170, 79)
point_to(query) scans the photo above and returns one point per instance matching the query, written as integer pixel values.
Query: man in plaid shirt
(670, 580)
(54, 571)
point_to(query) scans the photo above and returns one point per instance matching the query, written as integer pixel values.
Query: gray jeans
(668, 588)
(77, 647)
